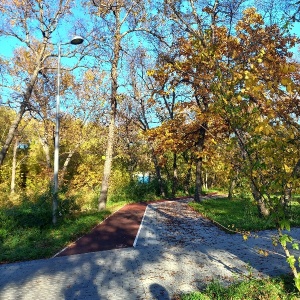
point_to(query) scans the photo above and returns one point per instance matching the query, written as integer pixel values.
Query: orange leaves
(168, 136)
(151, 102)
(67, 80)
(250, 17)
(185, 46)
(23, 59)
(246, 79)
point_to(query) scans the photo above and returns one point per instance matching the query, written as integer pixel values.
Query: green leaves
(297, 282)
(284, 239)
(285, 224)
(291, 261)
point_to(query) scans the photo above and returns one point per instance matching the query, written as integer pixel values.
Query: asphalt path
(117, 231)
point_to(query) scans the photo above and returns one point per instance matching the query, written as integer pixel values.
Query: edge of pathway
(140, 228)
(90, 230)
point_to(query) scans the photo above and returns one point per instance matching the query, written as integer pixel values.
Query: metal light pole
(76, 40)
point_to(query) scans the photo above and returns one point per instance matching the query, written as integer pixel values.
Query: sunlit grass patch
(240, 214)
(263, 289)
(27, 232)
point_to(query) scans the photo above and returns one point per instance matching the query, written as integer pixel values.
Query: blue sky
(8, 44)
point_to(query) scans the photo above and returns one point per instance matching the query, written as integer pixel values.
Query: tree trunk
(158, 175)
(261, 205)
(113, 105)
(66, 163)
(232, 184)
(11, 133)
(231, 188)
(198, 187)
(107, 165)
(13, 169)
(205, 183)
(175, 176)
(200, 145)
(187, 180)
(296, 170)
(188, 176)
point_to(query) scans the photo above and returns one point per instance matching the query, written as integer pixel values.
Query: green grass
(27, 233)
(262, 289)
(34, 242)
(239, 214)
(26, 230)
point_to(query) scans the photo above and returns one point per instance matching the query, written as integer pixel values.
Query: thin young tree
(115, 22)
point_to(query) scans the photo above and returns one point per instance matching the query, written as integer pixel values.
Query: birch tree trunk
(107, 165)
(14, 167)
(113, 106)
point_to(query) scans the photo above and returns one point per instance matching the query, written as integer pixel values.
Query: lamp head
(76, 40)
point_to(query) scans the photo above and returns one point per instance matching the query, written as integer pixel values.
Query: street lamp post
(76, 40)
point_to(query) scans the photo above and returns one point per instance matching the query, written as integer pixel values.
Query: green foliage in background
(127, 189)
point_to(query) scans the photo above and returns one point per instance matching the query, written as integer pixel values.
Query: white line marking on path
(137, 235)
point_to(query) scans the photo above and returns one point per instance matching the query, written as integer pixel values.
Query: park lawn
(239, 214)
(29, 240)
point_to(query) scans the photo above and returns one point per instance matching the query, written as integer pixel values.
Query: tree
(31, 24)
(143, 106)
(192, 55)
(246, 78)
(117, 20)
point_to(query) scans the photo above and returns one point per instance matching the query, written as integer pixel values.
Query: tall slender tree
(116, 21)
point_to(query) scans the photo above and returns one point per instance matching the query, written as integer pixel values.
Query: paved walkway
(176, 251)
(119, 230)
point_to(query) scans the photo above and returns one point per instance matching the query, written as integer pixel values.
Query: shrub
(134, 191)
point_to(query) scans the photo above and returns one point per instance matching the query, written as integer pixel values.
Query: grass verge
(26, 231)
(239, 214)
(263, 289)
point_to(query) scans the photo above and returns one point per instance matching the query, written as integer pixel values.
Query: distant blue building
(143, 177)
